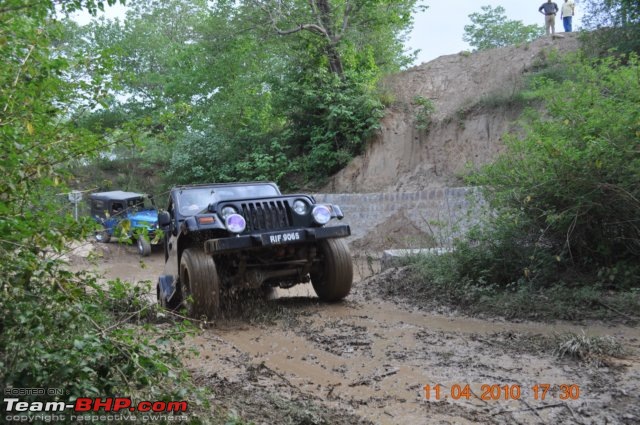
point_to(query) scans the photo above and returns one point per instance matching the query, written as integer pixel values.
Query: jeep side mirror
(164, 219)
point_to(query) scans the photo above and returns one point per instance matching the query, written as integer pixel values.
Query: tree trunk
(335, 62)
(328, 23)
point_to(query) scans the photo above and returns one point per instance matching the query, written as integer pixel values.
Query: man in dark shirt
(549, 10)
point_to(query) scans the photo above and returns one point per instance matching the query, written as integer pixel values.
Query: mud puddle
(368, 360)
(373, 360)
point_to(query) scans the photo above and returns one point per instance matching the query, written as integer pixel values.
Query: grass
(436, 279)
(590, 349)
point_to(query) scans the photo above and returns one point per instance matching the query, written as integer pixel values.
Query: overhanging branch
(309, 27)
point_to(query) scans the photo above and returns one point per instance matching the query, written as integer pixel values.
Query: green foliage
(614, 24)
(231, 94)
(565, 194)
(57, 328)
(561, 237)
(446, 279)
(423, 117)
(491, 29)
(571, 185)
(67, 329)
(331, 118)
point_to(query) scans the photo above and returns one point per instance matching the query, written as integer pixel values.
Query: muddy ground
(368, 359)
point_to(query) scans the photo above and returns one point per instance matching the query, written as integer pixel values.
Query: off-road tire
(333, 276)
(199, 284)
(144, 246)
(102, 236)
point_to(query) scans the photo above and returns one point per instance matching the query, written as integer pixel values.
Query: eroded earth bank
(367, 359)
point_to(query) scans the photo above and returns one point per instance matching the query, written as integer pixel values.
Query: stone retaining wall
(442, 212)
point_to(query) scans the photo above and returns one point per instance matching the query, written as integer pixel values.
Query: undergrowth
(560, 236)
(439, 278)
(91, 339)
(593, 350)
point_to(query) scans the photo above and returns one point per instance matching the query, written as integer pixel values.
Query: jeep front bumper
(281, 237)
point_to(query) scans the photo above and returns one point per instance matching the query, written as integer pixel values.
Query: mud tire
(332, 278)
(199, 284)
(144, 246)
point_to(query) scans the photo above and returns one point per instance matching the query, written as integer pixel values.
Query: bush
(569, 189)
(330, 119)
(424, 115)
(613, 24)
(65, 329)
(57, 328)
(591, 349)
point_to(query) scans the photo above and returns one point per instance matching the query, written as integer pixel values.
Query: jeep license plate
(280, 238)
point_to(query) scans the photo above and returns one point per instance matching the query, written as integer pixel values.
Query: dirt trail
(367, 360)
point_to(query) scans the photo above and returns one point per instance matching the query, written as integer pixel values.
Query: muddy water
(377, 358)
(372, 358)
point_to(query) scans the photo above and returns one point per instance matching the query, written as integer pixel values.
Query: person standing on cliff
(566, 14)
(549, 10)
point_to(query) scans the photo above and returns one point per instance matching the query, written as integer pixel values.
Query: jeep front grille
(267, 215)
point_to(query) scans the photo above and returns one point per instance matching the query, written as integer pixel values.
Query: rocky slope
(470, 93)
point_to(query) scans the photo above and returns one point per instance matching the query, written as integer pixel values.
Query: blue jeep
(127, 212)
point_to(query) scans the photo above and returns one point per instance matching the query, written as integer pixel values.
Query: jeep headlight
(299, 206)
(235, 223)
(227, 211)
(321, 214)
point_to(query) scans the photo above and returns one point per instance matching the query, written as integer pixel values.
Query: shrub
(65, 329)
(59, 328)
(569, 189)
(591, 349)
(425, 111)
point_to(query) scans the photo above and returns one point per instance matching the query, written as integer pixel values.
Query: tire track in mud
(373, 360)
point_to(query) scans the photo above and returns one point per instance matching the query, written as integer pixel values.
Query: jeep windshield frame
(193, 200)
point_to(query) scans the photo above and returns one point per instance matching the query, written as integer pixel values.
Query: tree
(491, 29)
(336, 21)
(272, 90)
(566, 192)
(617, 23)
(58, 328)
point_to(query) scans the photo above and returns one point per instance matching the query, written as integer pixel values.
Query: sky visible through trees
(442, 21)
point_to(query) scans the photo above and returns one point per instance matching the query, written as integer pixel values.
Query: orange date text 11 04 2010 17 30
(495, 392)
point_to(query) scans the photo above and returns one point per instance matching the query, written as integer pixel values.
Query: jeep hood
(145, 215)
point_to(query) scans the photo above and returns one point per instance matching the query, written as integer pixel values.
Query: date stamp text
(496, 392)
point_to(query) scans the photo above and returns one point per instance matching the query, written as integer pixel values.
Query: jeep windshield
(142, 203)
(195, 200)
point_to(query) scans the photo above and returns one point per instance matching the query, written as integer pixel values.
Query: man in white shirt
(567, 12)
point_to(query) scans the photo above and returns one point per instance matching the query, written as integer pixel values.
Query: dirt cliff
(472, 95)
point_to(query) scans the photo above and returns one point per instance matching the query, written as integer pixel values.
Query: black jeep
(223, 237)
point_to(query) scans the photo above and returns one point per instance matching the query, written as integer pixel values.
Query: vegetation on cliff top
(563, 235)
